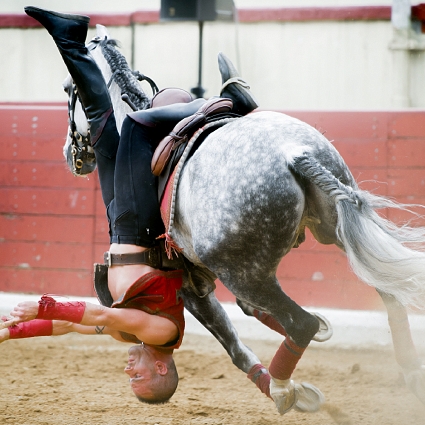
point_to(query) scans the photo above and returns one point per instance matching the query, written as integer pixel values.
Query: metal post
(400, 19)
(400, 14)
(199, 91)
(133, 44)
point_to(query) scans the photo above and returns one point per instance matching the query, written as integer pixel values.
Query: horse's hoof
(283, 394)
(309, 398)
(415, 381)
(325, 328)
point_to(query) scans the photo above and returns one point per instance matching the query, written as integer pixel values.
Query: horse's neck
(121, 108)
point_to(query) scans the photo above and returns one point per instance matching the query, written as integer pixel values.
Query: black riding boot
(69, 33)
(235, 88)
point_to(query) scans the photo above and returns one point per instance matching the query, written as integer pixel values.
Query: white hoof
(283, 394)
(415, 381)
(309, 398)
(325, 330)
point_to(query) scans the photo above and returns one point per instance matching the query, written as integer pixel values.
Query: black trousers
(129, 189)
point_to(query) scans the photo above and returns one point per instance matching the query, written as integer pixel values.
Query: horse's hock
(46, 213)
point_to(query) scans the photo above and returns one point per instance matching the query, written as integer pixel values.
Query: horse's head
(126, 95)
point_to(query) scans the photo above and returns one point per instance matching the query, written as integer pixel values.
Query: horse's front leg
(210, 313)
(323, 334)
(299, 327)
(405, 351)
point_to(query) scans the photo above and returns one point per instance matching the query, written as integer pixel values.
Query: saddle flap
(178, 136)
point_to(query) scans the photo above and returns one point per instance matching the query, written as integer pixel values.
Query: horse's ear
(102, 32)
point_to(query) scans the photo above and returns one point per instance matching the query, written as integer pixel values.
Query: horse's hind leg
(210, 313)
(405, 352)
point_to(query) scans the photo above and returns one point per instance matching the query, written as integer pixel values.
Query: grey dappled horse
(244, 200)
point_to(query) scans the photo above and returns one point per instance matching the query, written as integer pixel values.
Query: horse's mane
(122, 74)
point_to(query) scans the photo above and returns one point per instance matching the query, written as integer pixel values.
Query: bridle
(82, 152)
(81, 149)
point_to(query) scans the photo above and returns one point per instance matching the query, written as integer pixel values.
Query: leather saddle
(184, 129)
(171, 147)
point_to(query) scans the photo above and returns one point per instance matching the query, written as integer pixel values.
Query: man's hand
(24, 312)
(4, 333)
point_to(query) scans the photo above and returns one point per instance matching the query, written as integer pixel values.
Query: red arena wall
(53, 226)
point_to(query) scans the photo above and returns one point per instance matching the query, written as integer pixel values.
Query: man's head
(153, 374)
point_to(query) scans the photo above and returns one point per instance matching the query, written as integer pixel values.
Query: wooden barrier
(53, 226)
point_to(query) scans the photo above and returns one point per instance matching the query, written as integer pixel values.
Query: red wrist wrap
(50, 309)
(285, 359)
(30, 329)
(259, 375)
(269, 321)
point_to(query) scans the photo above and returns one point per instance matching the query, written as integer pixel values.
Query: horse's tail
(387, 257)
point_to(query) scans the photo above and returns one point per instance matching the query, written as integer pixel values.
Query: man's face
(140, 369)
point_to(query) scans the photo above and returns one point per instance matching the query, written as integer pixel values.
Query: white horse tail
(382, 254)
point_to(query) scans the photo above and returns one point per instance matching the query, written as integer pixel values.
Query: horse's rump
(243, 167)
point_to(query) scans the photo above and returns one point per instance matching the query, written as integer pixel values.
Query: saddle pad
(169, 196)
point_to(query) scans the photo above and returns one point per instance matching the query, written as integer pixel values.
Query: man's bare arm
(60, 327)
(151, 329)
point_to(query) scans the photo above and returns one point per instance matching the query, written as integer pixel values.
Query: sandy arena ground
(76, 379)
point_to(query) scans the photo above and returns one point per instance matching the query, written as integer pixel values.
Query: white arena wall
(293, 57)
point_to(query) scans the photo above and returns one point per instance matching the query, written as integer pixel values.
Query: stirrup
(235, 80)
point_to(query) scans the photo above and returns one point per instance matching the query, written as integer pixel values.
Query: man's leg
(134, 213)
(69, 33)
